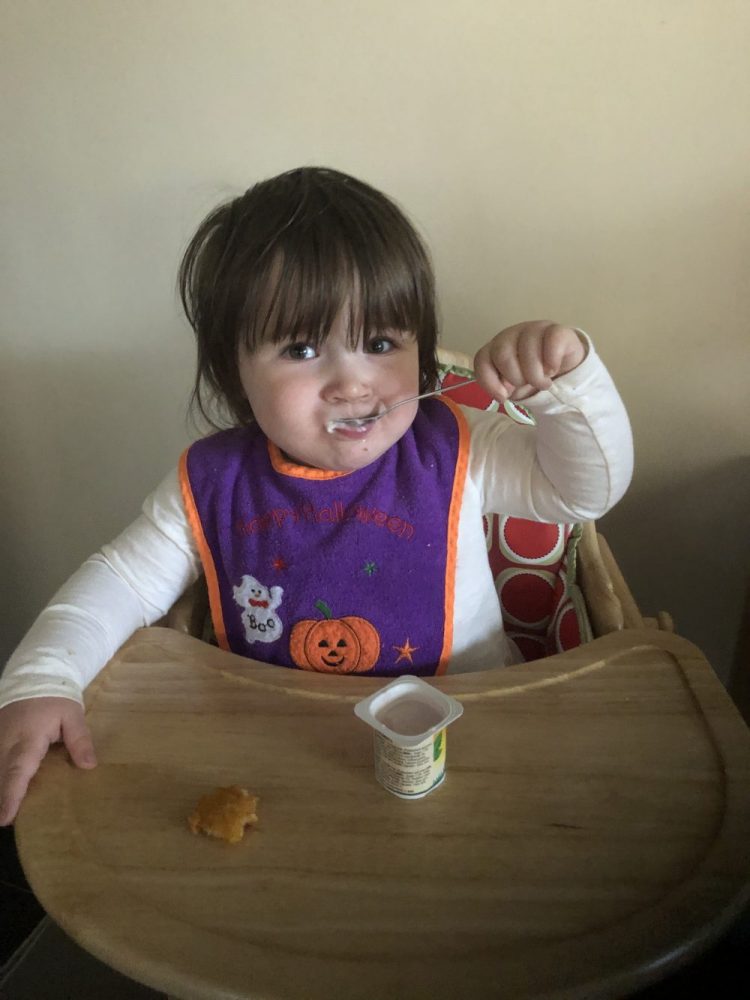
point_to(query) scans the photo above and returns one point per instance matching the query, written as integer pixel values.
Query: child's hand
(27, 728)
(525, 358)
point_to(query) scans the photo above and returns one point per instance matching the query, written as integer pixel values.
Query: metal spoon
(364, 421)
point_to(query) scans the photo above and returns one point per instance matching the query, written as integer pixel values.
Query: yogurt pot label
(410, 718)
(410, 772)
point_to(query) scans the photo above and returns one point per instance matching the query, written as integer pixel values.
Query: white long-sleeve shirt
(573, 466)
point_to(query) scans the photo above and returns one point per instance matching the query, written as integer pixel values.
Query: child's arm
(577, 462)
(131, 583)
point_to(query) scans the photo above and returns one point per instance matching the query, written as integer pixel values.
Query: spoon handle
(435, 392)
(362, 421)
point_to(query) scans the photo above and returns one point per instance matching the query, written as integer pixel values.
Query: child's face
(295, 389)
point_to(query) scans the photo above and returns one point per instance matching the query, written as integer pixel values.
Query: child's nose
(347, 383)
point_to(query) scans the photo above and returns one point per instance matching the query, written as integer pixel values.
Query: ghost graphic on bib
(259, 604)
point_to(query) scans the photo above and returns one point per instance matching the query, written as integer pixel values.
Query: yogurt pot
(410, 718)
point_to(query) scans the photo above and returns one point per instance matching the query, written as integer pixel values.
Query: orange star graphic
(405, 651)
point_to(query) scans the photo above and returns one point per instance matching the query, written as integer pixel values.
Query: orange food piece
(225, 813)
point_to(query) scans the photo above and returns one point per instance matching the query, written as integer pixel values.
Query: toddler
(327, 546)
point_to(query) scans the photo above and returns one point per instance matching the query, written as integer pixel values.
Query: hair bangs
(297, 298)
(308, 285)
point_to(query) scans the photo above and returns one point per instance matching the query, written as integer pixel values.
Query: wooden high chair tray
(591, 832)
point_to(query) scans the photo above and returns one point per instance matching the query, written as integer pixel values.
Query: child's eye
(300, 352)
(380, 345)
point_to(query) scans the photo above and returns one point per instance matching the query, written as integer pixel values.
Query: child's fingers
(497, 386)
(516, 354)
(20, 764)
(555, 346)
(524, 359)
(498, 383)
(522, 392)
(504, 355)
(531, 358)
(489, 377)
(28, 728)
(564, 349)
(77, 739)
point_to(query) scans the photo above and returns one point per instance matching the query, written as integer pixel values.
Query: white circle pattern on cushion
(567, 629)
(490, 522)
(528, 542)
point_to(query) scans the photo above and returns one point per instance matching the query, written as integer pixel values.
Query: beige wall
(584, 160)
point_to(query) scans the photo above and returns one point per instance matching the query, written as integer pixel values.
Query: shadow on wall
(83, 440)
(684, 547)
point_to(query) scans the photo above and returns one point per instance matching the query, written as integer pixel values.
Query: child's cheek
(296, 388)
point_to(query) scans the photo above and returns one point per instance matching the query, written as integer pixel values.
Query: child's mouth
(351, 428)
(357, 426)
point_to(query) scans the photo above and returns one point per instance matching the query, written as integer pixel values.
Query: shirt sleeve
(574, 465)
(130, 583)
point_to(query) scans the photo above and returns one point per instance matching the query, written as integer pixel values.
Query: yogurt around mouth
(348, 430)
(358, 426)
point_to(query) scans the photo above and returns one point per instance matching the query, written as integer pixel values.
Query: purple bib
(350, 573)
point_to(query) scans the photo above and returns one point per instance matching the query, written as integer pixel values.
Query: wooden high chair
(621, 764)
(588, 595)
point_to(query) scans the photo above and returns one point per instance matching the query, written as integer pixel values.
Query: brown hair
(282, 261)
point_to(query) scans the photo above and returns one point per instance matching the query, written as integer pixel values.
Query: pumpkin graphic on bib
(331, 645)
